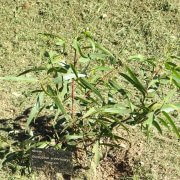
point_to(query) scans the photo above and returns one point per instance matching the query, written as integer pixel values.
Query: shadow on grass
(43, 131)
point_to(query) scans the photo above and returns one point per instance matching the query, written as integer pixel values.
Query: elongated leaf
(77, 47)
(104, 50)
(59, 104)
(164, 123)
(119, 122)
(176, 84)
(133, 83)
(81, 99)
(22, 79)
(35, 110)
(52, 94)
(50, 91)
(102, 68)
(115, 109)
(176, 76)
(92, 43)
(156, 124)
(120, 138)
(33, 70)
(134, 78)
(171, 122)
(74, 70)
(91, 87)
(114, 84)
(84, 60)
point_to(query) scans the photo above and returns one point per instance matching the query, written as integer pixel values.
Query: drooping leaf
(133, 83)
(33, 70)
(164, 123)
(105, 51)
(74, 70)
(171, 122)
(83, 100)
(134, 78)
(91, 87)
(114, 84)
(119, 122)
(77, 47)
(156, 124)
(59, 104)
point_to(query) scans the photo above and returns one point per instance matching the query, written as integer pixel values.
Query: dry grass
(127, 28)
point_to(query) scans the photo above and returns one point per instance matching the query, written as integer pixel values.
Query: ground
(127, 28)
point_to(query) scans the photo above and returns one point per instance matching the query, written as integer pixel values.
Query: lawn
(127, 28)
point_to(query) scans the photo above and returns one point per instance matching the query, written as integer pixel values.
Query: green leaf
(133, 83)
(42, 144)
(114, 84)
(59, 104)
(164, 123)
(149, 121)
(90, 112)
(82, 100)
(115, 109)
(156, 124)
(32, 70)
(77, 47)
(50, 91)
(52, 94)
(171, 122)
(74, 70)
(105, 51)
(176, 76)
(119, 122)
(35, 110)
(136, 81)
(102, 68)
(22, 79)
(91, 87)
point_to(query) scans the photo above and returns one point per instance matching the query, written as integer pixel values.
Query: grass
(127, 28)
